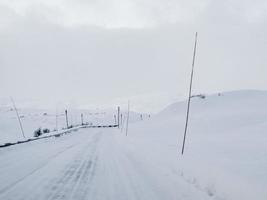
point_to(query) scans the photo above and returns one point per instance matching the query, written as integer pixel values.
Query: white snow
(225, 156)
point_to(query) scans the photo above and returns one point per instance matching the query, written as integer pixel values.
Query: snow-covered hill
(226, 151)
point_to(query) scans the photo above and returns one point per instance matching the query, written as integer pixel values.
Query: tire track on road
(74, 183)
(12, 185)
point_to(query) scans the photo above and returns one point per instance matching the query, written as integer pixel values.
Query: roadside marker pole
(122, 126)
(82, 118)
(20, 124)
(118, 116)
(56, 120)
(189, 95)
(128, 113)
(67, 121)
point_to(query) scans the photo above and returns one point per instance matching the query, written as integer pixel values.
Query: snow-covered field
(225, 155)
(33, 118)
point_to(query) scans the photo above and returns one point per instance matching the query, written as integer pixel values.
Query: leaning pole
(20, 124)
(189, 95)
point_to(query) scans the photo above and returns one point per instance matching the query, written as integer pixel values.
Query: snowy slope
(226, 142)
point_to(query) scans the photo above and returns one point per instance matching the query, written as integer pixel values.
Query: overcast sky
(104, 52)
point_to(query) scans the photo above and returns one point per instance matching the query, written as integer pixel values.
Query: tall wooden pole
(20, 124)
(127, 122)
(118, 116)
(67, 121)
(189, 95)
(56, 120)
(82, 119)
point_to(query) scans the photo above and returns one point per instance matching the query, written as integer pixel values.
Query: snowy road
(87, 164)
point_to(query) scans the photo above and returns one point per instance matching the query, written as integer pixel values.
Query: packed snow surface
(225, 156)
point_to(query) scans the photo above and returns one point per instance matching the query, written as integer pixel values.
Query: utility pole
(56, 121)
(118, 116)
(20, 124)
(189, 95)
(67, 121)
(121, 119)
(128, 113)
(82, 119)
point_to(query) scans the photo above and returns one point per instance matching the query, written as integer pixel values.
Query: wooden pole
(56, 120)
(128, 113)
(67, 121)
(82, 118)
(20, 124)
(189, 95)
(118, 116)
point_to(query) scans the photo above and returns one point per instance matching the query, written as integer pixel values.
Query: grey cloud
(42, 58)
